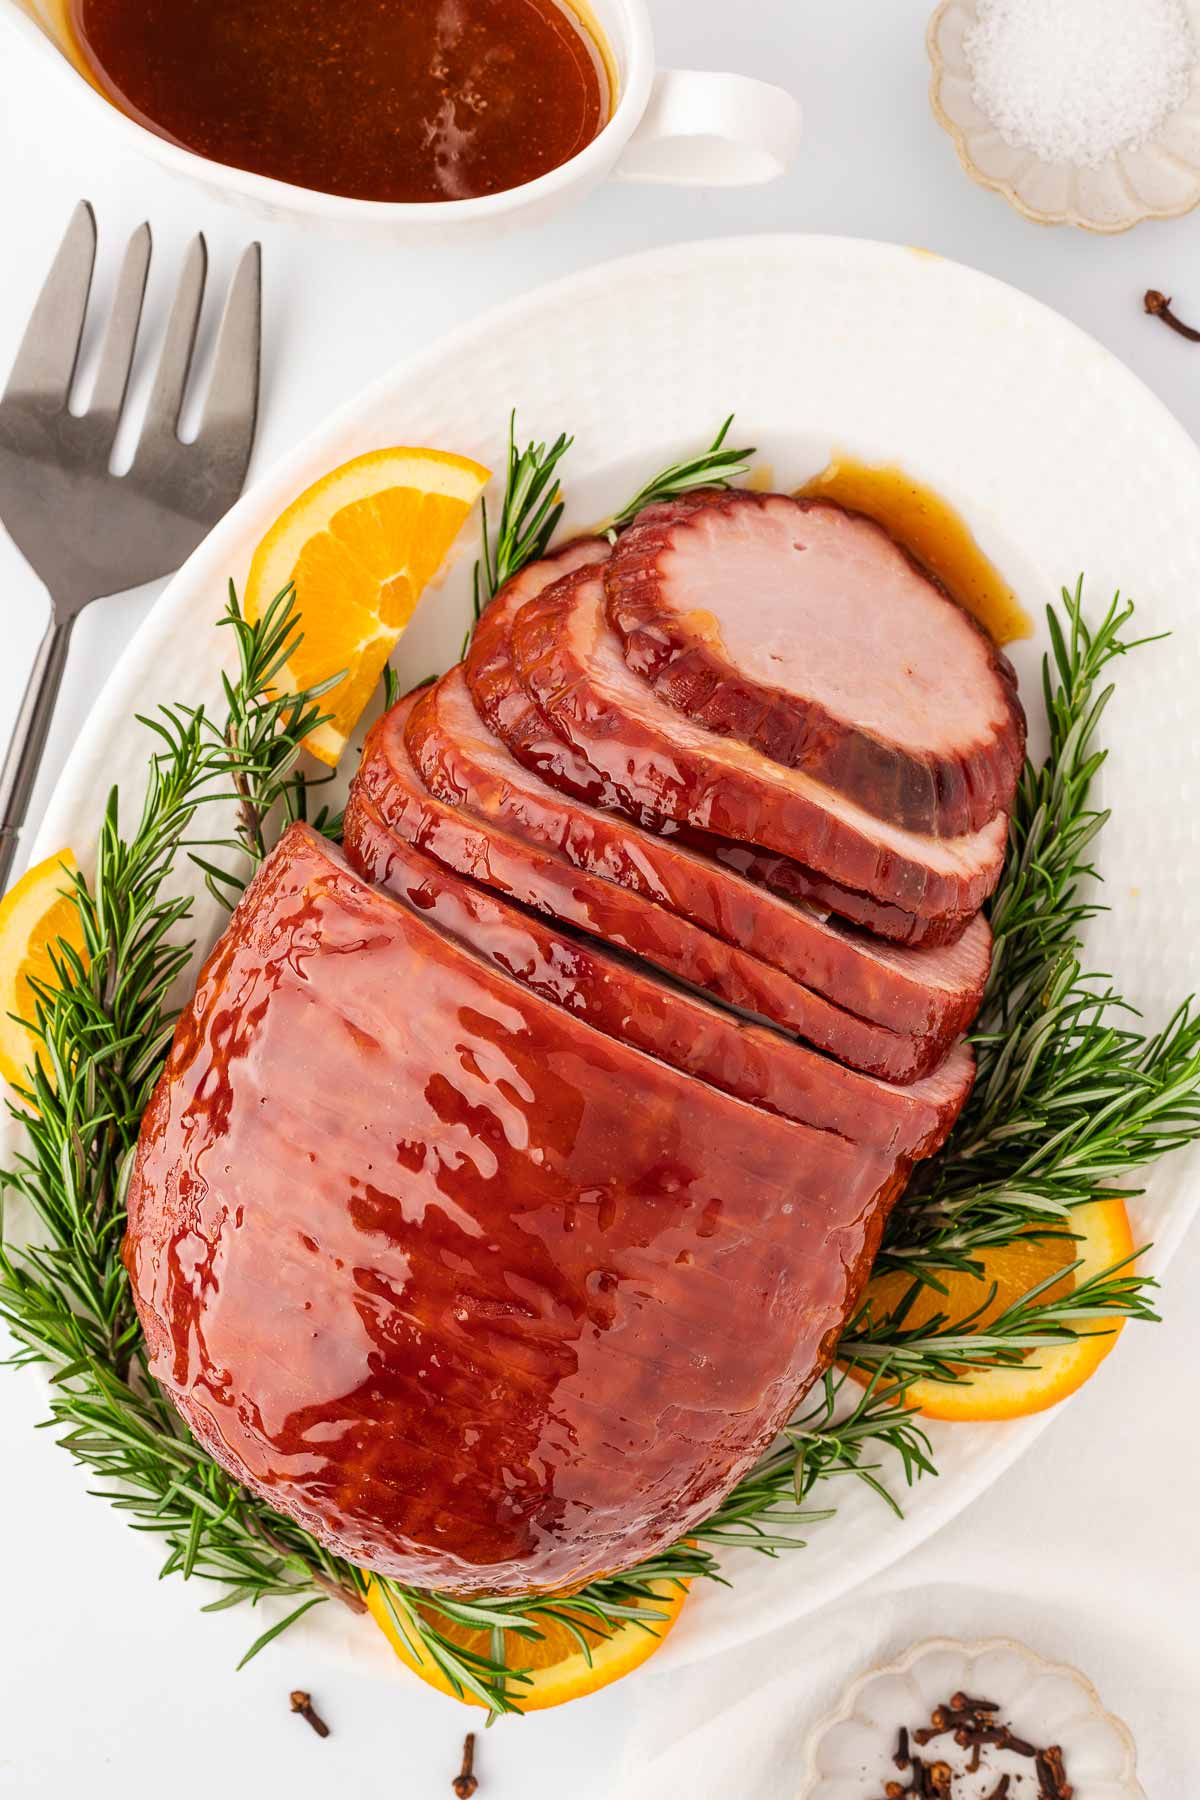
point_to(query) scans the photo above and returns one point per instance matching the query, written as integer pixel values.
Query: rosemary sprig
(1071, 1096)
(529, 514)
(714, 467)
(532, 506)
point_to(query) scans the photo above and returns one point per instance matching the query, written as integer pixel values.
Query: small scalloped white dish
(1158, 180)
(850, 1752)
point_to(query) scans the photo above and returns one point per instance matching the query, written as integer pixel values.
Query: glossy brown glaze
(625, 918)
(932, 531)
(802, 629)
(528, 735)
(413, 100)
(571, 664)
(624, 1000)
(483, 1298)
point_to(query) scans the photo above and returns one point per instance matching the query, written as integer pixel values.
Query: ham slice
(513, 717)
(484, 1299)
(805, 631)
(472, 845)
(622, 999)
(571, 664)
(928, 992)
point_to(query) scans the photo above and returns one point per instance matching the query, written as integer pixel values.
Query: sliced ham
(482, 1298)
(512, 716)
(805, 631)
(570, 662)
(540, 878)
(624, 1000)
(929, 992)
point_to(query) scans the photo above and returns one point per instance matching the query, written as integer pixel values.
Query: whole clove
(1159, 305)
(302, 1704)
(1000, 1789)
(465, 1782)
(901, 1758)
(965, 1703)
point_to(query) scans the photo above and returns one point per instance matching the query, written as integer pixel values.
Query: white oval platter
(1060, 460)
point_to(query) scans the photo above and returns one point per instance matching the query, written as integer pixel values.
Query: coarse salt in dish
(1080, 112)
(1077, 80)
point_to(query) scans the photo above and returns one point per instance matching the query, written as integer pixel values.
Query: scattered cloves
(465, 1782)
(302, 1704)
(1159, 306)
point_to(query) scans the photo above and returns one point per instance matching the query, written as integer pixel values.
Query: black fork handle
(28, 740)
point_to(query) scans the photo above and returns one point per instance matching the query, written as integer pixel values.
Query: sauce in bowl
(402, 100)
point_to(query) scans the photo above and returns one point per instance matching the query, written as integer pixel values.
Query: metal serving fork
(84, 530)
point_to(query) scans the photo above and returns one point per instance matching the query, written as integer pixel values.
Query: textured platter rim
(677, 277)
(970, 1649)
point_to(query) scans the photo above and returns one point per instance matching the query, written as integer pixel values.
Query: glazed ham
(540, 878)
(569, 661)
(416, 1268)
(515, 1169)
(669, 1022)
(925, 992)
(802, 629)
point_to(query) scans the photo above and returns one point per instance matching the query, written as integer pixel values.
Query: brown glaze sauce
(930, 530)
(400, 100)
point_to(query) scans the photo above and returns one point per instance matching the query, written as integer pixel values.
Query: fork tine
(45, 364)
(116, 356)
(232, 404)
(166, 396)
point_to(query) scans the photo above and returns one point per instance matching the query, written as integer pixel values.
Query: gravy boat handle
(703, 129)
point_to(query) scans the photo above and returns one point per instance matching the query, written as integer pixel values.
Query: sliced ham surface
(512, 716)
(482, 1298)
(570, 662)
(626, 1001)
(474, 845)
(804, 630)
(929, 992)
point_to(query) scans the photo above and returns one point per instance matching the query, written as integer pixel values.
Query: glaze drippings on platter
(932, 532)
(415, 100)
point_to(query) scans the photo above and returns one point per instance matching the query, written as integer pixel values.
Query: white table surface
(114, 1685)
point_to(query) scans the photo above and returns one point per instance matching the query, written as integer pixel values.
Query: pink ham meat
(927, 992)
(571, 664)
(472, 845)
(483, 1298)
(805, 631)
(512, 716)
(625, 1001)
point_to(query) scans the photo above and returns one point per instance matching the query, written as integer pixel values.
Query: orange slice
(360, 545)
(1102, 1238)
(559, 1669)
(34, 916)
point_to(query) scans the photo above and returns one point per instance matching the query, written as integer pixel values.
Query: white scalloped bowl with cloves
(851, 1752)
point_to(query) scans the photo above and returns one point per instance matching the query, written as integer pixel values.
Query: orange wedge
(360, 546)
(34, 916)
(1102, 1238)
(559, 1669)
